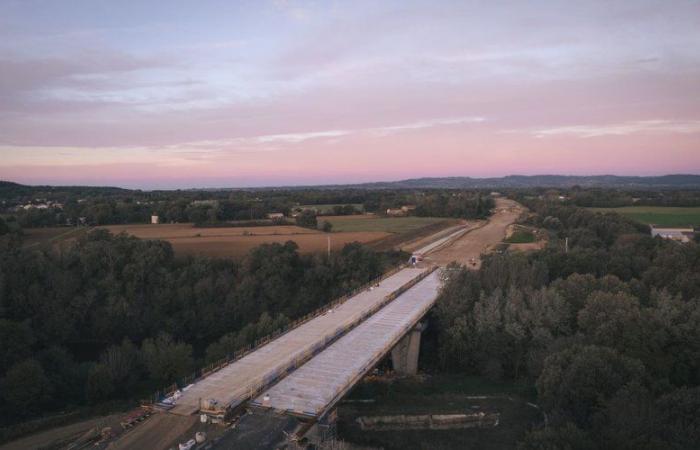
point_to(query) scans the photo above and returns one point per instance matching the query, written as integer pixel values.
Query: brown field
(235, 246)
(236, 242)
(187, 230)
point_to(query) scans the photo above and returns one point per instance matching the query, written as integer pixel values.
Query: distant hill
(553, 181)
(679, 181)
(9, 189)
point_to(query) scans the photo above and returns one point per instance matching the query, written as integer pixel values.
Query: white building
(676, 234)
(155, 220)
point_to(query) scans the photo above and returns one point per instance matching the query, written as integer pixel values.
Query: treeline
(606, 328)
(614, 198)
(466, 205)
(73, 206)
(117, 317)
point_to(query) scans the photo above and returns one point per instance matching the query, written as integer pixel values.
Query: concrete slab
(239, 380)
(313, 389)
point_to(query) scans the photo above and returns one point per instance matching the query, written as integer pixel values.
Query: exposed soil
(188, 230)
(467, 249)
(159, 432)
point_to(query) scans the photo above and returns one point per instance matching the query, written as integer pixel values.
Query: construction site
(283, 391)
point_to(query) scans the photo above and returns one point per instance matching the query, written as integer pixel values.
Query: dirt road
(160, 432)
(480, 240)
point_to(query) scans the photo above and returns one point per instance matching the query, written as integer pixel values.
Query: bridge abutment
(404, 357)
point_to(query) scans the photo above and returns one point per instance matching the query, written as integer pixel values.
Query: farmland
(367, 222)
(658, 215)
(187, 239)
(51, 235)
(237, 241)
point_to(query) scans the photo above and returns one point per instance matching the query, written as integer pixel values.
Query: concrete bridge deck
(240, 380)
(314, 388)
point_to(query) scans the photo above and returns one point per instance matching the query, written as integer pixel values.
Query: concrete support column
(404, 357)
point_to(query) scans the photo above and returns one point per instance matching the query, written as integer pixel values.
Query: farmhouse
(396, 212)
(676, 234)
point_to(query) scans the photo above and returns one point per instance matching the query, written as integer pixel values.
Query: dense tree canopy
(115, 316)
(606, 327)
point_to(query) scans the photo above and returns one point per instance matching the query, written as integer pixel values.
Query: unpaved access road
(480, 239)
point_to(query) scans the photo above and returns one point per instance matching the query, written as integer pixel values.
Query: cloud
(200, 151)
(295, 138)
(619, 129)
(383, 131)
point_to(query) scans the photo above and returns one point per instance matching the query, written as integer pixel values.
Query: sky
(180, 94)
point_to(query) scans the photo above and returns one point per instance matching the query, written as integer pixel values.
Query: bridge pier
(404, 357)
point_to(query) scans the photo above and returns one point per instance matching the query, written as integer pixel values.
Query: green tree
(16, 341)
(25, 387)
(565, 437)
(577, 381)
(165, 359)
(122, 365)
(307, 219)
(100, 385)
(4, 228)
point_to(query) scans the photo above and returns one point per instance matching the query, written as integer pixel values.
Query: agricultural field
(328, 208)
(51, 235)
(658, 215)
(370, 222)
(237, 241)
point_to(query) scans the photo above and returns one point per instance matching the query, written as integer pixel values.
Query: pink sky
(252, 94)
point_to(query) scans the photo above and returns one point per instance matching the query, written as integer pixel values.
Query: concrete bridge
(242, 380)
(367, 326)
(311, 391)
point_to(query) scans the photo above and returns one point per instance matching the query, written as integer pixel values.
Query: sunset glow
(218, 94)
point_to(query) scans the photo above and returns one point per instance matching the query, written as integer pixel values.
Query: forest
(115, 317)
(606, 327)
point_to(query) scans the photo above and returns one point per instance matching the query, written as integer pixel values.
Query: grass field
(521, 237)
(374, 223)
(51, 235)
(440, 394)
(658, 215)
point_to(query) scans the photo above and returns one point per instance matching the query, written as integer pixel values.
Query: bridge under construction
(302, 373)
